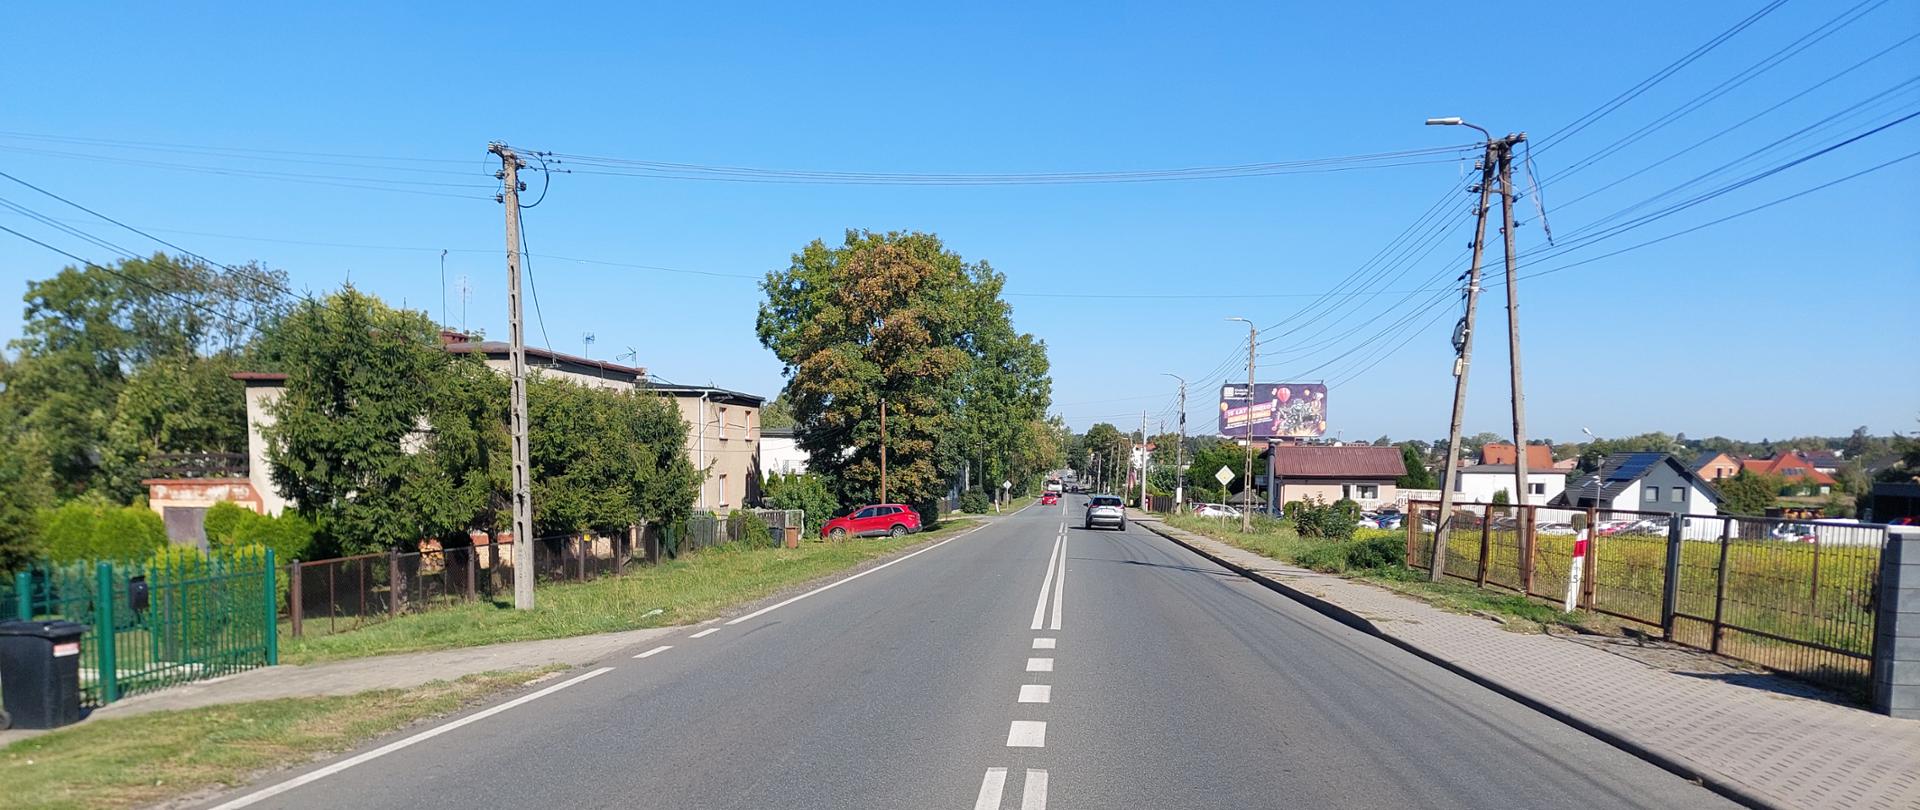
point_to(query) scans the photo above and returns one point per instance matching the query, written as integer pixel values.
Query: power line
(139, 281)
(215, 149)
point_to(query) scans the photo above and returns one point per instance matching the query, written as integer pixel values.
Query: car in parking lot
(888, 519)
(1106, 510)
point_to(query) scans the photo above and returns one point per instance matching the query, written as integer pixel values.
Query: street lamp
(1455, 121)
(1246, 483)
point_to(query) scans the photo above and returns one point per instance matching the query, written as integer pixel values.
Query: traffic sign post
(1224, 476)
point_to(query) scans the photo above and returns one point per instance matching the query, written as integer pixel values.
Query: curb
(1730, 790)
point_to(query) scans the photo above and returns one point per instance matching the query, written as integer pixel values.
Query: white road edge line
(990, 787)
(1059, 586)
(837, 583)
(1040, 607)
(704, 633)
(1036, 693)
(1033, 794)
(655, 651)
(315, 776)
(1027, 734)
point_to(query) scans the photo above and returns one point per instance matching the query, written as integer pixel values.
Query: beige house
(723, 438)
(1361, 473)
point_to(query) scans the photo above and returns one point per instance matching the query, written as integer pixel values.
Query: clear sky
(1797, 319)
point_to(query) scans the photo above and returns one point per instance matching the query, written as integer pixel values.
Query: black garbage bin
(40, 672)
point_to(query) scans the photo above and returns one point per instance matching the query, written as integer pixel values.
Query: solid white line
(990, 787)
(1036, 693)
(704, 633)
(1059, 586)
(1027, 734)
(1043, 643)
(1033, 794)
(655, 651)
(837, 583)
(1039, 665)
(1040, 607)
(315, 776)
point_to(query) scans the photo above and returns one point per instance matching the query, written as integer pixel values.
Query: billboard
(1277, 410)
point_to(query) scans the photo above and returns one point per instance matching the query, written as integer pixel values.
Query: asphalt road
(1030, 660)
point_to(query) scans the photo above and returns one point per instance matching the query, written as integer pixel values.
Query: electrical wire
(228, 317)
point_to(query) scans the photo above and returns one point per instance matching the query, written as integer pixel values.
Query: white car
(1215, 510)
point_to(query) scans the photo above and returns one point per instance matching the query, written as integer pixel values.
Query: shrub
(232, 526)
(803, 491)
(1316, 518)
(97, 530)
(975, 502)
(749, 530)
(1376, 551)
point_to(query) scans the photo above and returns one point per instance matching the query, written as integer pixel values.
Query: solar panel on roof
(1633, 466)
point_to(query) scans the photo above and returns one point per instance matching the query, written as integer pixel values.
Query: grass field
(137, 761)
(697, 586)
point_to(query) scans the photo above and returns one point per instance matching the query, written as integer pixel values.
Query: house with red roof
(1792, 468)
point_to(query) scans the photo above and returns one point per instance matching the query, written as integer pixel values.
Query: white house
(780, 452)
(1642, 482)
(1477, 484)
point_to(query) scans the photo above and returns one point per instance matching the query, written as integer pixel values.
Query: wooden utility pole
(883, 450)
(1461, 366)
(1522, 485)
(523, 564)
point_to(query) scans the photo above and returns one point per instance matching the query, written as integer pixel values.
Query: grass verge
(139, 760)
(692, 588)
(1276, 540)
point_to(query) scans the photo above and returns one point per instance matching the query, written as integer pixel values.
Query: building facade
(723, 438)
(1361, 473)
(1479, 483)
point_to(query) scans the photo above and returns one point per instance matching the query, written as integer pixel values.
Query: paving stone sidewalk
(1744, 735)
(398, 671)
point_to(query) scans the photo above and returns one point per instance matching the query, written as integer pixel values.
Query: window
(1793, 472)
(1536, 489)
(1679, 495)
(1652, 495)
(1365, 492)
(722, 419)
(866, 513)
(723, 489)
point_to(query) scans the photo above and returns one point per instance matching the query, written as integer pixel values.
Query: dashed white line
(315, 776)
(1039, 665)
(991, 786)
(839, 582)
(1043, 643)
(1059, 586)
(655, 651)
(1027, 734)
(704, 633)
(1036, 693)
(1033, 794)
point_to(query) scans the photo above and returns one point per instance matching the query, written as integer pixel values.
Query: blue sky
(1792, 320)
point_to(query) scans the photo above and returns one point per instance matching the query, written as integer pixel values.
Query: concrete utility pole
(1246, 482)
(1179, 461)
(523, 574)
(1488, 162)
(1524, 486)
(883, 450)
(1146, 453)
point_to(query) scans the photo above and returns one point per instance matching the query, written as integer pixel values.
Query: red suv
(890, 519)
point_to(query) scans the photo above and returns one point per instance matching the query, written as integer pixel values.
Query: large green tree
(1748, 493)
(603, 460)
(898, 318)
(1418, 476)
(356, 408)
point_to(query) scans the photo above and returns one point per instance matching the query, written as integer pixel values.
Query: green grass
(140, 760)
(694, 587)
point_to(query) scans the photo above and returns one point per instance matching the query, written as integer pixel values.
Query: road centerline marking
(1040, 607)
(1043, 643)
(315, 776)
(1033, 794)
(1036, 693)
(1059, 586)
(655, 651)
(1027, 734)
(991, 787)
(1039, 665)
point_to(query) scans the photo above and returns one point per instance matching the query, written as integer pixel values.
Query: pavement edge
(1678, 767)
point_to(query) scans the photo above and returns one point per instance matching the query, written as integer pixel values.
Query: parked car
(1050, 499)
(1390, 520)
(1218, 510)
(1556, 528)
(1106, 510)
(890, 519)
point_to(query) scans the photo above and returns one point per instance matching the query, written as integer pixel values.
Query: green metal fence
(175, 619)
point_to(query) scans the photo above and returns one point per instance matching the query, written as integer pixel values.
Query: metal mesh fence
(1793, 596)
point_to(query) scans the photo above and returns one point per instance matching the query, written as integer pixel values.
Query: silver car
(1106, 510)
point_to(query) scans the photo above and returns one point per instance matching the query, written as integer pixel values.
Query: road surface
(1028, 664)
